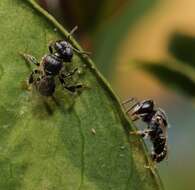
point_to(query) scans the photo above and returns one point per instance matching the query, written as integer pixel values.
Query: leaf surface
(68, 142)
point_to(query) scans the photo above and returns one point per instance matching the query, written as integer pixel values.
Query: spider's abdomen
(160, 152)
(46, 86)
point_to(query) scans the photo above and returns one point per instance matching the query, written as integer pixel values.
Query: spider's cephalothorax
(157, 125)
(64, 50)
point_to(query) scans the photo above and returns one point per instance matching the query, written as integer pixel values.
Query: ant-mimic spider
(53, 65)
(157, 122)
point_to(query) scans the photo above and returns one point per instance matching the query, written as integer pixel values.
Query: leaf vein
(82, 152)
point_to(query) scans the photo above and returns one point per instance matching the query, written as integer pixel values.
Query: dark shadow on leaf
(183, 47)
(171, 78)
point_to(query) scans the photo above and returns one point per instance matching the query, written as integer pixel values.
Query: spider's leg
(124, 103)
(81, 52)
(129, 100)
(71, 88)
(31, 77)
(72, 32)
(143, 133)
(50, 47)
(30, 59)
(69, 74)
(131, 108)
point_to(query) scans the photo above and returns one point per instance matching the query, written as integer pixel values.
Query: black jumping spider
(157, 125)
(52, 66)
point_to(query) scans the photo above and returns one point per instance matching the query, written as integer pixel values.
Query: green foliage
(182, 47)
(69, 142)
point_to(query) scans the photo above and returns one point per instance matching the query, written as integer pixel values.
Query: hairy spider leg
(71, 88)
(81, 52)
(143, 133)
(51, 47)
(72, 32)
(129, 100)
(31, 77)
(133, 106)
(133, 117)
(75, 49)
(69, 74)
(30, 59)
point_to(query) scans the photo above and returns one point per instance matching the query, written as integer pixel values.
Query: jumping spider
(157, 122)
(52, 66)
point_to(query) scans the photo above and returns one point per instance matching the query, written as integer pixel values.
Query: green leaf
(182, 46)
(173, 74)
(68, 142)
(113, 32)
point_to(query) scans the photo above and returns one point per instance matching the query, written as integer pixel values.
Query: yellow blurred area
(148, 40)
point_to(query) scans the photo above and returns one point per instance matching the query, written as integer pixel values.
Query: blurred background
(146, 49)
